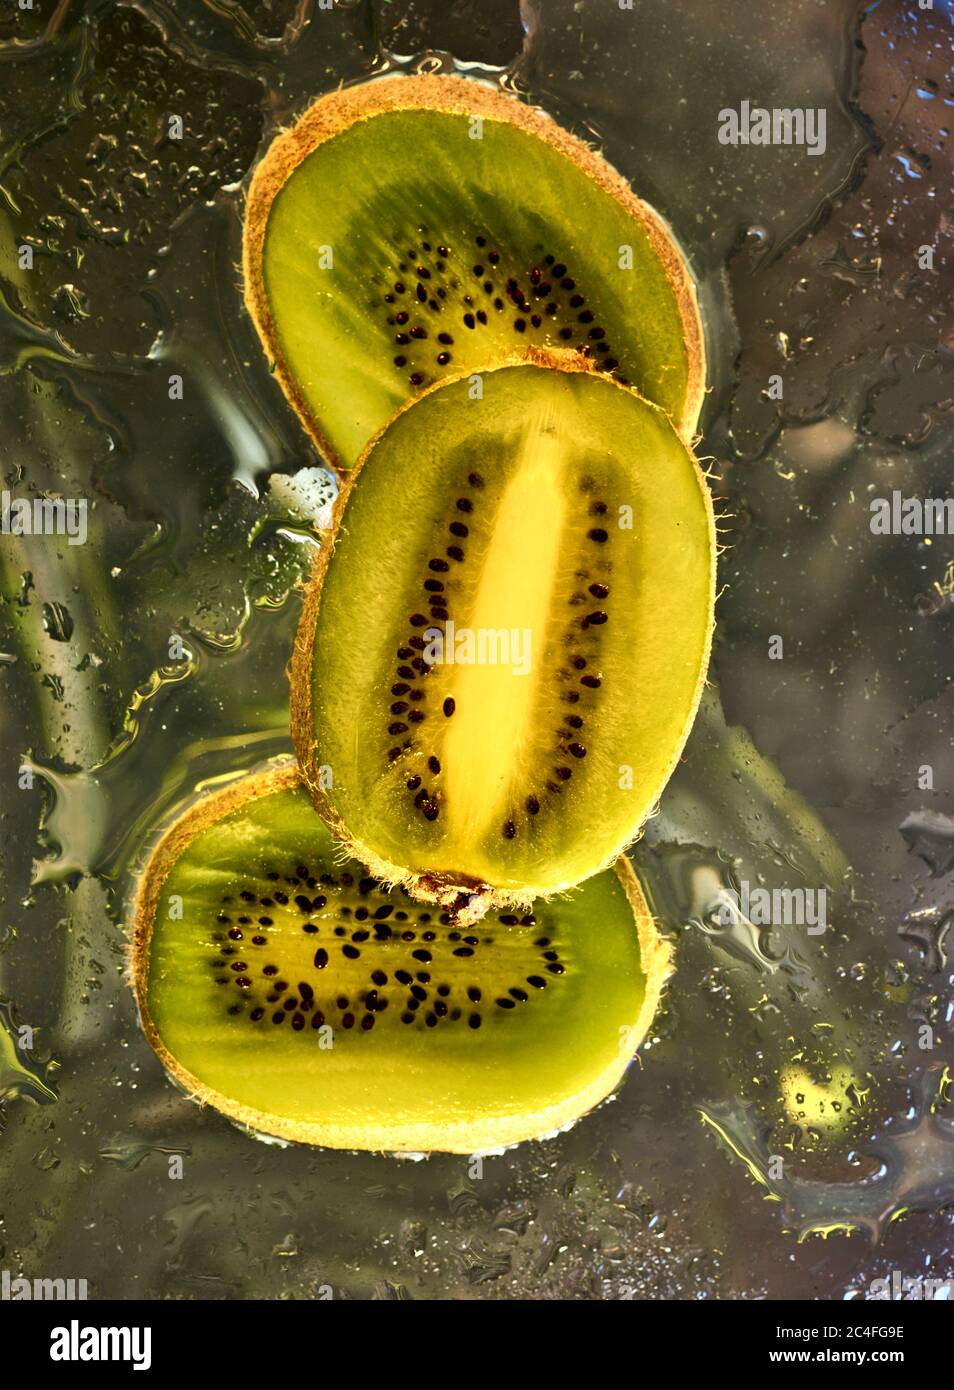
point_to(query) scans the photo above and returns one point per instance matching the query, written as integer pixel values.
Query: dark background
(799, 770)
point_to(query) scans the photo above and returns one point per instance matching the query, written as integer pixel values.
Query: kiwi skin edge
(655, 957)
(337, 111)
(469, 899)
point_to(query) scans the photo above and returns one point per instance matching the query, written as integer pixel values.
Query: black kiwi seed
(509, 830)
(474, 1021)
(321, 958)
(533, 805)
(449, 707)
(433, 764)
(596, 619)
(598, 534)
(577, 749)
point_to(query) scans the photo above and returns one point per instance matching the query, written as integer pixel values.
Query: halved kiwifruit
(413, 227)
(497, 667)
(288, 989)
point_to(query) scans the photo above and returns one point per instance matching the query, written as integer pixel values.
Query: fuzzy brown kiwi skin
(168, 849)
(337, 111)
(468, 898)
(656, 963)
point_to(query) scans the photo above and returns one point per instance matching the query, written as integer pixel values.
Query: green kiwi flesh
(500, 658)
(288, 989)
(415, 227)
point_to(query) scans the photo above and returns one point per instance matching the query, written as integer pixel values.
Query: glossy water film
(795, 1084)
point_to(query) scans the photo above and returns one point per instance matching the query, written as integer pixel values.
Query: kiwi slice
(288, 989)
(414, 227)
(496, 670)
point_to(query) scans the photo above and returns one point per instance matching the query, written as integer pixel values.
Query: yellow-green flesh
(494, 243)
(422, 1076)
(524, 747)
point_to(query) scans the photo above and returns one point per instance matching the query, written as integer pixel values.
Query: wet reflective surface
(795, 1083)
